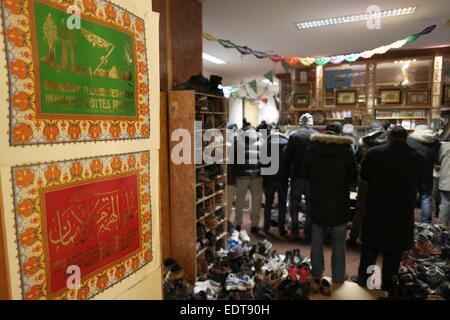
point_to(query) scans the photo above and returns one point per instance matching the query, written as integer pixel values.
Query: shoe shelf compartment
(198, 214)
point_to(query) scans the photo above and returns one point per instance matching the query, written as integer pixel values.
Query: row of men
(387, 167)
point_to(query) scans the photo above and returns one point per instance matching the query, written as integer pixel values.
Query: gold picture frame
(390, 96)
(347, 97)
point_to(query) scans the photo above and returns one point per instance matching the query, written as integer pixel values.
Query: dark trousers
(281, 189)
(391, 263)
(300, 186)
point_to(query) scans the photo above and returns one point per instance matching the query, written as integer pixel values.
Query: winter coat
(425, 143)
(246, 153)
(279, 142)
(393, 172)
(330, 167)
(373, 139)
(298, 143)
(444, 161)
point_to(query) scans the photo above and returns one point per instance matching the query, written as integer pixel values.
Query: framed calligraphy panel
(70, 83)
(92, 213)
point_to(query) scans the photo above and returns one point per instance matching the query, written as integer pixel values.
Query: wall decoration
(346, 97)
(71, 85)
(390, 96)
(302, 100)
(418, 97)
(94, 213)
(437, 75)
(338, 78)
(447, 94)
(320, 61)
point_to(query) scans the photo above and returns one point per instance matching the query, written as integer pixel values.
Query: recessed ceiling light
(355, 18)
(212, 59)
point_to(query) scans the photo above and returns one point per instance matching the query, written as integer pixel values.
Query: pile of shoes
(175, 285)
(245, 271)
(201, 84)
(425, 273)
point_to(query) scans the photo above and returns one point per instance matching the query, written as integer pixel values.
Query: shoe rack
(198, 224)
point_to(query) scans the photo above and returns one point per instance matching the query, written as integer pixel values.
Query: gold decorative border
(30, 127)
(29, 182)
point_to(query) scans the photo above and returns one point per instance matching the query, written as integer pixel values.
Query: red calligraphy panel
(92, 224)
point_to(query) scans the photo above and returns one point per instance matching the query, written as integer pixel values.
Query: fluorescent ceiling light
(212, 59)
(355, 18)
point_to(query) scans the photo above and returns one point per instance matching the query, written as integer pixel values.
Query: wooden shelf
(210, 196)
(400, 107)
(221, 236)
(211, 112)
(209, 95)
(202, 251)
(400, 118)
(183, 234)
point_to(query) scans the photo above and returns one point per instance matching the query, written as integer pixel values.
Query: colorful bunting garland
(321, 61)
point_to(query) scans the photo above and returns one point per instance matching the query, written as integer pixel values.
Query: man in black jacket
(248, 174)
(277, 182)
(424, 141)
(330, 167)
(393, 173)
(298, 143)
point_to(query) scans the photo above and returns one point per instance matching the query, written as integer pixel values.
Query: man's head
(398, 133)
(334, 128)
(306, 120)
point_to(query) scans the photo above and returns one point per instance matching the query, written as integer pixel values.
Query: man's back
(393, 172)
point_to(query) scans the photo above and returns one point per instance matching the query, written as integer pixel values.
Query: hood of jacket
(329, 145)
(425, 136)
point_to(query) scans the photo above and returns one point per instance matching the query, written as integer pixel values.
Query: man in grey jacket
(444, 183)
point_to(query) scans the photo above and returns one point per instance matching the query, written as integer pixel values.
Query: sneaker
(425, 245)
(235, 236)
(315, 285)
(325, 287)
(232, 282)
(264, 247)
(293, 272)
(243, 235)
(245, 283)
(304, 273)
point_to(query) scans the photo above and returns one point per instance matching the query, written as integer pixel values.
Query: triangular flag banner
(269, 76)
(254, 85)
(285, 65)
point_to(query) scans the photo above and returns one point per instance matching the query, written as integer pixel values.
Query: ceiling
(269, 25)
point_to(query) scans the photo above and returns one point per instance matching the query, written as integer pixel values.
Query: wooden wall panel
(182, 186)
(164, 181)
(187, 42)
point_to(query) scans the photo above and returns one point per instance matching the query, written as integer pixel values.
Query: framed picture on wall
(302, 100)
(390, 96)
(447, 93)
(346, 97)
(418, 97)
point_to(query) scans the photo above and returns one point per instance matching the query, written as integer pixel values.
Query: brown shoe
(325, 287)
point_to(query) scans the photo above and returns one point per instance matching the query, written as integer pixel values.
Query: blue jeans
(298, 187)
(338, 243)
(426, 207)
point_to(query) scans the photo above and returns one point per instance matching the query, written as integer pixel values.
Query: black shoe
(238, 227)
(356, 279)
(254, 230)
